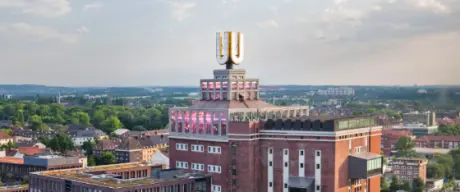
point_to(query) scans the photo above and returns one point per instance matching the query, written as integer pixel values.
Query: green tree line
(105, 117)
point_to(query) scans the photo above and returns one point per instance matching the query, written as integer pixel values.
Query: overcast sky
(172, 42)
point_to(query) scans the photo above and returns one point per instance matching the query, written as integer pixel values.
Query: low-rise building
(105, 145)
(139, 148)
(409, 168)
(5, 138)
(15, 188)
(431, 141)
(389, 139)
(119, 178)
(79, 136)
(418, 130)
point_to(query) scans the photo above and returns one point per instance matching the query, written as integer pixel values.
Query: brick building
(431, 141)
(127, 177)
(249, 145)
(389, 139)
(139, 148)
(409, 168)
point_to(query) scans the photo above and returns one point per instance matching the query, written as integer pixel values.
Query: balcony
(365, 165)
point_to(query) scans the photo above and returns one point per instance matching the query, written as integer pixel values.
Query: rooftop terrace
(84, 175)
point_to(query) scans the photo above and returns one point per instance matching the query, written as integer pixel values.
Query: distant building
(139, 148)
(409, 168)
(417, 130)
(434, 185)
(79, 136)
(389, 139)
(5, 138)
(105, 145)
(132, 177)
(15, 188)
(444, 142)
(427, 118)
(337, 91)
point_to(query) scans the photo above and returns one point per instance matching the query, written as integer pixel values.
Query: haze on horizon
(172, 42)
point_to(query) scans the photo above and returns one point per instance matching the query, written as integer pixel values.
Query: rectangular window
(216, 188)
(301, 165)
(301, 152)
(198, 166)
(318, 153)
(181, 146)
(270, 151)
(181, 165)
(214, 149)
(197, 148)
(285, 185)
(285, 151)
(270, 184)
(317, 166)
(214, 169)
(285, 164)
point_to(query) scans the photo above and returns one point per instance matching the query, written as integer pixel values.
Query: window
(301, 165)
(285, 151)
(270, 184)
(181, 165)
(358, 149)
(214, 149)
(375, 164)
(317, 187)
(216, 188)
(198, 166)
(318, 153)
(285, 164)
(285, 185)
(317, 166)
(198, 148)
(270, 163)
(214, 169)
(270, 151)
(182, 146)
(301, 152)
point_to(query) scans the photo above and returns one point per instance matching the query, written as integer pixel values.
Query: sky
(172, 42)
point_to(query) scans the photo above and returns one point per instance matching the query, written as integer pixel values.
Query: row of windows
(216, 188)
(214, 169)
(198, 148)
(198, 166)
(181, 164)
(301, 152)
(374, 164)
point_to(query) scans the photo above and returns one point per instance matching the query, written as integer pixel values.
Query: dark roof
(106, 144)
(300, 182)
(87, 132)
(130, 143)
(32, 134)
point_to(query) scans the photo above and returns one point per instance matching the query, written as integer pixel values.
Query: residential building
(79, 136)
(119, 178)
(104, 145)
(30, 135)
(429, 153)
(409, 168)
(389, 139)
(250, 145)
(5, 138)
(337, 91)
(434, 185)
(15, 188)
(139, 148)
(431, 141)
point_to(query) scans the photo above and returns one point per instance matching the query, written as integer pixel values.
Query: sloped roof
(29, 150)
(159, 157)
(106, 144)
(3, 135)
(130, 143)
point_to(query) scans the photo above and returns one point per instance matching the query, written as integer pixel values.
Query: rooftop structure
(251, 145)
(118, 177)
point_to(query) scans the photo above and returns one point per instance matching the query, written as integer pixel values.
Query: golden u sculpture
(229, 48)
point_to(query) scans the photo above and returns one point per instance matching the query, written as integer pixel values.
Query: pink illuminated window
(208, 128)
(224, 85)
(240, 85)
(233, 85)
(173, 125)
(211, 85)
(215, 129)
(217, 85)
(247, 85)
(193, 127)
(201, 128)
(204, 85)
(217, 96)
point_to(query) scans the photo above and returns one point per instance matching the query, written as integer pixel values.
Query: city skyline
(172, 43)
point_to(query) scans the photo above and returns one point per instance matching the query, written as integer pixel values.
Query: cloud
(268, 24)
(180, 11)
(37, 33)
(274, 10)
(95, 5)
(45, 8)
(82, 30)
(340, 13)
(432, 5)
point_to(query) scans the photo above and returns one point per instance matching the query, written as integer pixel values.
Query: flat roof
(84, 175)
(431, 150)
(13, 160)
(366, 155)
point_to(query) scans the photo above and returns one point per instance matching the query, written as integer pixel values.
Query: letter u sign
(229, 48)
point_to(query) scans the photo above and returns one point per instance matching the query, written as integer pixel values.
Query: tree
(111, 124)
(88, 146)
(435, 170)
(61, 128)
(107, 158)
(10, 177)
(418, 185)
(98, 118)
(81, 118)
(405, 147)
(139, 128)
(19, 119)
(395, 185)
(384, 185)
(60, 142)
(406, 186)
(91, 161)
(37, 123)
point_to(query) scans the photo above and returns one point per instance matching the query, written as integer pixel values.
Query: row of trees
(417, 185)
(105, 117)
(445, 166)
(448, 130)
